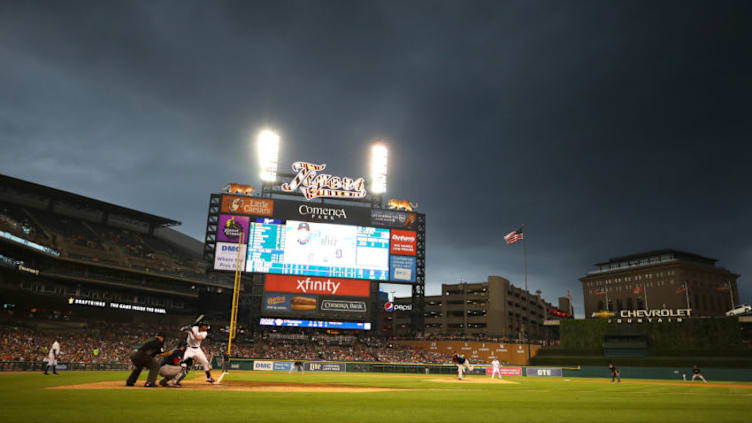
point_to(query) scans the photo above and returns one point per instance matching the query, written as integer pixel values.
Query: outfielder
(496, 370)
(615, 373)
(463, 365)
(196, 334)
(52, 358)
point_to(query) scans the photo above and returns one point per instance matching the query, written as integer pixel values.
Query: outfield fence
(600, 371)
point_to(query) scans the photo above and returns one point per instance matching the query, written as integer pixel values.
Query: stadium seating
(88, 241)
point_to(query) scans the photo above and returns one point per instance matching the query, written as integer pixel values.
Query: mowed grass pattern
(24, 398)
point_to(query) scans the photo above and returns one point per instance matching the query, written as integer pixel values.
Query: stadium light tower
(267, 143)
(378, 168)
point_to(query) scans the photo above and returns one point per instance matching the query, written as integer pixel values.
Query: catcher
(173, 366)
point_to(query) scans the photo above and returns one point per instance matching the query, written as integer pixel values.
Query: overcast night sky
(607, 127)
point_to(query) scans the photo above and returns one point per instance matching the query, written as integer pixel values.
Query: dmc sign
(314, 185)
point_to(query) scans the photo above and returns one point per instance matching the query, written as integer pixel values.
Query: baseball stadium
(278, 315)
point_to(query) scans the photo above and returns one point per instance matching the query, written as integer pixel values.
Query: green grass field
(416, 398)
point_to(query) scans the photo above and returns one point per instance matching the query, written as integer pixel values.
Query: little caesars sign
(652, 316)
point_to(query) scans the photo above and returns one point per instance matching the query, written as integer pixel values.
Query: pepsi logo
(388, 307)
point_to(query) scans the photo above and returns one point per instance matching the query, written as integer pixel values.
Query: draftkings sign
(652, 316)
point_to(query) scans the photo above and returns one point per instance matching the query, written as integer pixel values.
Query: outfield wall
(479, 352)
(666, 373)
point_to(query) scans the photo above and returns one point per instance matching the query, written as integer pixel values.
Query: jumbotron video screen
(284, 237)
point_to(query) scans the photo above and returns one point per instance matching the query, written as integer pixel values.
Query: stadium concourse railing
(38, 366)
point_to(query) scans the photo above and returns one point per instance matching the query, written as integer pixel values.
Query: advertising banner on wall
(402, 268)
(230, 228)
(506, 371)
(393, 218)
(317, 285)
(542, 372)
(324, 367)
(403, 242)
(343, 305)
(247, 205)
(323, 324)
(282, 366)
(263, 365)
(288, 303)
(317, 212)
(226, 256)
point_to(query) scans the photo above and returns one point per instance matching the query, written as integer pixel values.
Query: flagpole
(731, 294)
(607, 309)
(686, 291)
(524, 254)
(645, 288)
(524, 263)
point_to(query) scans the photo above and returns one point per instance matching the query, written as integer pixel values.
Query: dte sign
(542, 372)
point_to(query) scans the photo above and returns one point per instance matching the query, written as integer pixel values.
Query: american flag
(599, 292)
(514, 236)
(637, 290)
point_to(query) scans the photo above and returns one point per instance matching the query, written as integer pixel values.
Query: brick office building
(663, 279)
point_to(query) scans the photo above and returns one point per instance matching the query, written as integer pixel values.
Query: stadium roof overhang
(83, 201)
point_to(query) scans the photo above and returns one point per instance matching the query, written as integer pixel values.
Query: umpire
(144, 357)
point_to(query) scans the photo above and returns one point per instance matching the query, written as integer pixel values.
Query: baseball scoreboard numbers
(318, 249)
(285, 237)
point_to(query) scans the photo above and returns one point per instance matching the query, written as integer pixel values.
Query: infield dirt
(248, 386)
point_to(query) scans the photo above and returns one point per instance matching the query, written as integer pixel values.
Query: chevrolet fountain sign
(652, 316)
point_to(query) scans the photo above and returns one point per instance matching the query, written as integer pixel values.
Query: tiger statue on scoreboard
(234, 188)
(405, 205)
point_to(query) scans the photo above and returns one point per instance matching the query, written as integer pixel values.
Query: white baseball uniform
(194, 348)
(53, 354)
(496, 370)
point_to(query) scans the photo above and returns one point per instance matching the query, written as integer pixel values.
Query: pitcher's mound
(473, 380)
(239, 385)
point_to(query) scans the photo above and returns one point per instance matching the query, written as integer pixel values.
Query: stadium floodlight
(378, 168)
(268, 153)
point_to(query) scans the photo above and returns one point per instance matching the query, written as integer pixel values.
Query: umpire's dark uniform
(144, 357)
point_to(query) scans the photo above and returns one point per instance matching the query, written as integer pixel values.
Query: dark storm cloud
(606, 127)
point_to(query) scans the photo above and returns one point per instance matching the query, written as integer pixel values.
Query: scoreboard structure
(317, 262)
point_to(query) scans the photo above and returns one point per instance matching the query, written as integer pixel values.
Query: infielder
(52, 358)
(496, 370)
(298, 365)
(196, 334)
(697, 373)
(463, 365)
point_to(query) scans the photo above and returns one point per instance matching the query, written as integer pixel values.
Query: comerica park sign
(652, 316)
(319, 185)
